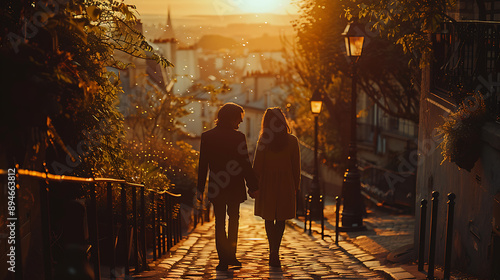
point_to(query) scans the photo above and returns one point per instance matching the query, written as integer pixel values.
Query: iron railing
(467, 59)
(450, 214)
(164, 216)
(308, 217)
(370, 134)
(395, 190)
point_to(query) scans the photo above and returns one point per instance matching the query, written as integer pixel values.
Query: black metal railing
(433, 233)
(308, 217)
(388, 188)
(367, 133)
(164, 216)
(201, 213)
(467, 59)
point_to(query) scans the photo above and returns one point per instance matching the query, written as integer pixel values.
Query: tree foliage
(319, 64)
(316, 61)
(407, 23)
(152, 142)
(58, 92)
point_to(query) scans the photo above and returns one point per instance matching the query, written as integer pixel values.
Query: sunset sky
(213, 7)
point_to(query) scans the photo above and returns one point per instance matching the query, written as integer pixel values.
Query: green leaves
(63, 73)
(403, 21)
(162, 61)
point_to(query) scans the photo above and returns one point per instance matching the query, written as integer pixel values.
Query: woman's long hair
(274, 130)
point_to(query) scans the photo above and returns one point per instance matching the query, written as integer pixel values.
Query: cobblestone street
(302, 256)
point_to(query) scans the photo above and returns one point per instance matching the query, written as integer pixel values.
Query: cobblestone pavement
(302, 256)
(386, 232)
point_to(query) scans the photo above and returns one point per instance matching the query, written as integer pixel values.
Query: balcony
(466, 59)
(370, 135)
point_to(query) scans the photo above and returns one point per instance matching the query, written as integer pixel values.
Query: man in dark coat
(224, 152)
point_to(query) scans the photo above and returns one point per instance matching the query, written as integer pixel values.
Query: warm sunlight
(261, 6)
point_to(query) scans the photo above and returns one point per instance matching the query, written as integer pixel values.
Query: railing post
(174, 220)
(168, 222)
(322, 203)
(306, 215)
(421, 234)
(135, 231)
(143, 228)
(337, 214)
(125, 229)
(309, 201)
(197, 212)
(112, 268)
(178, 221)
(94, 232)
(203, 213)
(449, 235)
(161, 222)
(432, 241)
(44, 209)
(153, 222)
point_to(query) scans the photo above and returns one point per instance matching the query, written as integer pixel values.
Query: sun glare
(261, 6)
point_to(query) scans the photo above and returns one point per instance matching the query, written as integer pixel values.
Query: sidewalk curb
(365, 258)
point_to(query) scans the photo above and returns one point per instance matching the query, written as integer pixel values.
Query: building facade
(466, 57)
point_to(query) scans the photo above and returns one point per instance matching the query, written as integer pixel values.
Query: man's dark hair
(229, 112)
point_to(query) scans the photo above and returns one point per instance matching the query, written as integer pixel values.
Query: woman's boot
(271, 237)
(279, 228)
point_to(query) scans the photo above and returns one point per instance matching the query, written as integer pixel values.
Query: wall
(186, 69)
(201, 117)
(258, 85)
(475, 190)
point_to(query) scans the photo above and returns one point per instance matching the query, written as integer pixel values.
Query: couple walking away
(273, 180)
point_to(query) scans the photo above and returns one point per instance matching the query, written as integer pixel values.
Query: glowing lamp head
(316, 103)
(354, 38)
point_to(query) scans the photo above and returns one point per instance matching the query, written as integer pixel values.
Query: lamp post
(353, 206)
(316, 106)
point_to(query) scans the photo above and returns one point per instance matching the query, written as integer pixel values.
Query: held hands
(199, 196)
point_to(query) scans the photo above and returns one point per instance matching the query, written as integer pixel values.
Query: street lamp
(316, 106)
(353, 206)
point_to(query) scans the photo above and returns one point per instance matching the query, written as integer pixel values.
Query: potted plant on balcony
(461, 132)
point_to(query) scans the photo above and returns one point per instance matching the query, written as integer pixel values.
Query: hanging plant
(461, 132)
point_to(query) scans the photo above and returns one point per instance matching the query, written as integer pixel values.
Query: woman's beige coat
(278, 174)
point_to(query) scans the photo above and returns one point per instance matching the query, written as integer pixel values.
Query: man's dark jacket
(224, 152)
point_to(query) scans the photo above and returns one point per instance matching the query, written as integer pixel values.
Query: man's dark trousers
(226, 245)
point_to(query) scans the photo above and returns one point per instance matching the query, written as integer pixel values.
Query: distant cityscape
(242, 52)
(191, 29)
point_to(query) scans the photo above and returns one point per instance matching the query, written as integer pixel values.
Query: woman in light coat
(277, 167)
